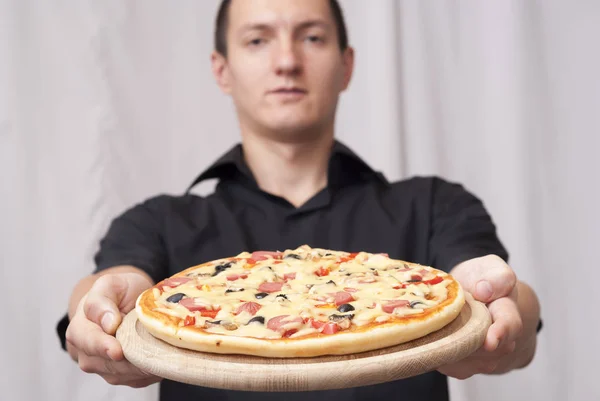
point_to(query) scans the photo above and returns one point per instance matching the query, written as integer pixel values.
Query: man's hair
(222, 24)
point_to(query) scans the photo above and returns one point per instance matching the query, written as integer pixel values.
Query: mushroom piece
(342, 320)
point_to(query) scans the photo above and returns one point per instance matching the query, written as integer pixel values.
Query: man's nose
(287, 59)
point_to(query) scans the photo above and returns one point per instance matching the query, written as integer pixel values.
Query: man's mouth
(289, 91)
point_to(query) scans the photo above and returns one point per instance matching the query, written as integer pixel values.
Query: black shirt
(425, 220)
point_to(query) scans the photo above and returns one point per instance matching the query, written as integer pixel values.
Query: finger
(72, 350)
(87, 337)
(500, 351)
(460, 370)
(102, 366)
(94, 364)
(115, 351)
(143, 382)
(487, 278)
(102, 302)
(130, 382)
(507, 323)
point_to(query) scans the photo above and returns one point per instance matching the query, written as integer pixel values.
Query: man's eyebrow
(312, 23)
(254, 27)
(260, 26)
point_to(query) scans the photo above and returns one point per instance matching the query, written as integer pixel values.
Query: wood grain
(250, 373)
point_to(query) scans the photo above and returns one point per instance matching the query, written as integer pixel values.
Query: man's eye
(314, 39)
(256, 42)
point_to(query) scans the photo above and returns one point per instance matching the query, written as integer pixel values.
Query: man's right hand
(90, 335)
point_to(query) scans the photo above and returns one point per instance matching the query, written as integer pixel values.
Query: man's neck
(294, 171)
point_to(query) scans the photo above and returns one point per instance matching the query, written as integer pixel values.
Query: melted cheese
(369, 278)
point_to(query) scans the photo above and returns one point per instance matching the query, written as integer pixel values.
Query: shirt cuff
(61, 330)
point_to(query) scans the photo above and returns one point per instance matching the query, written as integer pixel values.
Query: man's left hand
(491, 281)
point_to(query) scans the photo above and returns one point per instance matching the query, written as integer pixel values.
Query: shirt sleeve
(136, 238)
(461, 227)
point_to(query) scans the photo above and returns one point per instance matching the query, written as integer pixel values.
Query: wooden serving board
(250, 373)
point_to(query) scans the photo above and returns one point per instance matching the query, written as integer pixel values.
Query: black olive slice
(233, 290)
(175, 298)
(415, 303)
(330, 282)
(261, 295)
(282, 296)
(258, 319)
(293, 256)
(220, 268)
(345, 308)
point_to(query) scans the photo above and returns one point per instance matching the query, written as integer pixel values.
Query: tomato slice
(349, 257)
(435, 280)
(349, 289)
(189, 321)
(210, 313)
(321, 271)
(289, 276)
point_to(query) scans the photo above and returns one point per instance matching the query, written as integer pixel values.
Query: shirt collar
(345, 168)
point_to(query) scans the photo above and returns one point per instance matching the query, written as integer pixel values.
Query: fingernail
(107, 321)
(484, 290)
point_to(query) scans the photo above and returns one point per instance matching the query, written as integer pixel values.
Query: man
(285, 63)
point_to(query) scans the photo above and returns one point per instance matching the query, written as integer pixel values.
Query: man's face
(284, 67)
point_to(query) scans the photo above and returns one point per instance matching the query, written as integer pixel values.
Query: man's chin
(295, 132)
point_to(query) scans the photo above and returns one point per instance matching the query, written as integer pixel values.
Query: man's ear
(348, 62)
(220, 70)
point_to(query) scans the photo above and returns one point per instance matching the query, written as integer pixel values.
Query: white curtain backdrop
(105, 103)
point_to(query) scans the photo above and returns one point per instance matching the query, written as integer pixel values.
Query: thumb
(487, 278)
(111, 295)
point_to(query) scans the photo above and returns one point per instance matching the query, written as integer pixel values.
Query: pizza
(302, 302)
